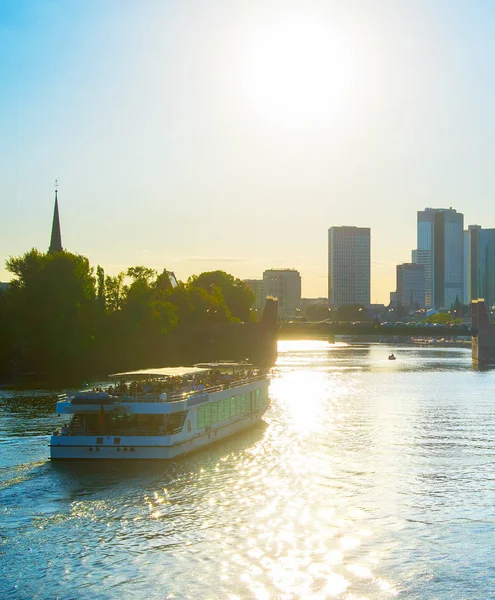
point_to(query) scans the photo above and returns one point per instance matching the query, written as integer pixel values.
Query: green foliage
(52, 303)
(141, 274)
(443, 318)
(100, 278)
(237, 295)
(115, 291)
(58, 317)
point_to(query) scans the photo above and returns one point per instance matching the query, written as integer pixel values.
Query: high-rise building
(441, 252)
(479, 264)
(285, 285)
(56, 237)
(349, 265)
(410, 286)
(256, 286)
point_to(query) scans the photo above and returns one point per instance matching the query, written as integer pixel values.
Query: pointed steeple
(56, 239)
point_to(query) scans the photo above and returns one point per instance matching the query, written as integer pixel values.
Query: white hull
(143, 447)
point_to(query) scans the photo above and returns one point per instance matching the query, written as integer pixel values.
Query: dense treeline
(62, 316)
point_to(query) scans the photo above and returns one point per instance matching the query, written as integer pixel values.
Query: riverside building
(479, 264)
(285, 285)
(349, 263)
(256, 286)
(441, 252)
(410, 286)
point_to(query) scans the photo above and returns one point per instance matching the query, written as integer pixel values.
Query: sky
(219, 134)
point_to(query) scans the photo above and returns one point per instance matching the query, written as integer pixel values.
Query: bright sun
(299, 72)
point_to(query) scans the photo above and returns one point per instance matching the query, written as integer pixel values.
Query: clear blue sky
(198, 135)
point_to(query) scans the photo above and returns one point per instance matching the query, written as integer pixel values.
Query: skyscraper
(440, 251)
(285, 285)
(349, 265)
(256, 286)
(411, 286)
(480, 264)
(56, 238)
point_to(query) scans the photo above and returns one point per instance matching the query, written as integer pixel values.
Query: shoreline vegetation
(63, 321)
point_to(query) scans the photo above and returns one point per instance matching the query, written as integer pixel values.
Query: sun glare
(299, 72)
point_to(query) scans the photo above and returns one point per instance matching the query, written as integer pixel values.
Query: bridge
(330, 328)
(482, 331)
(258, 341)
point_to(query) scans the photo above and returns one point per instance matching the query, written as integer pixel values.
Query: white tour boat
(173, 412)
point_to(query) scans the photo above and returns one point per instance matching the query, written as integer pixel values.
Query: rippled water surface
(371, 479)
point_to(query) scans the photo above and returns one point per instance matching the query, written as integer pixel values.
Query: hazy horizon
(201, 136)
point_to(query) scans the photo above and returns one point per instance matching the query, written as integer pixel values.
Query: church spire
(56, 239)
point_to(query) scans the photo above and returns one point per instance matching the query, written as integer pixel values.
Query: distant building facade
(410, 286)
(440, 250)
(349, 265)
(285, 285)
(4, 286)
(479, 264)
(256, 286)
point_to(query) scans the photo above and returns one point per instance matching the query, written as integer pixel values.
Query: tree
(53, 298)
(116, 291)
(101, 294)
(237, 295)
(442, 318)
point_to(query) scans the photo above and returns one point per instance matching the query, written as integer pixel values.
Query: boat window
(201, 417)
(207, 415)
(214, 413)
(221, 410)
(175, 422)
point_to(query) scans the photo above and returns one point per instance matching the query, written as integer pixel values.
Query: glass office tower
(441, 251)
(349, 265)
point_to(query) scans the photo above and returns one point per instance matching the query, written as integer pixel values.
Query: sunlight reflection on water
(369, 480)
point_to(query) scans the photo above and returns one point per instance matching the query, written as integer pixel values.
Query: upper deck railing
(179, 395)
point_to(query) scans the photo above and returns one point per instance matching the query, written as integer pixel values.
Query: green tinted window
(214, 413)
(221, 410)
(201, 417)
(208, 414)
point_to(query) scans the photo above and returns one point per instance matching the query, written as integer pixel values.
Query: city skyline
(173, 128)
(430, 222)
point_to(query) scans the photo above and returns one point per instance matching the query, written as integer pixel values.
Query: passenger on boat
(64, 430)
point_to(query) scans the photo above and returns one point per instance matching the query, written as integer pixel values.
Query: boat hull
(143, 448)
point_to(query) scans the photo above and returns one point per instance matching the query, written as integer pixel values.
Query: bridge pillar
(483, 340)
(267, 334)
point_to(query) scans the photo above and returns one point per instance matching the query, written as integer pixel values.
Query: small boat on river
(162, 413)
(392, 357)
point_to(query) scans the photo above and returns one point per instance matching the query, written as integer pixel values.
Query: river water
(371, 479)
